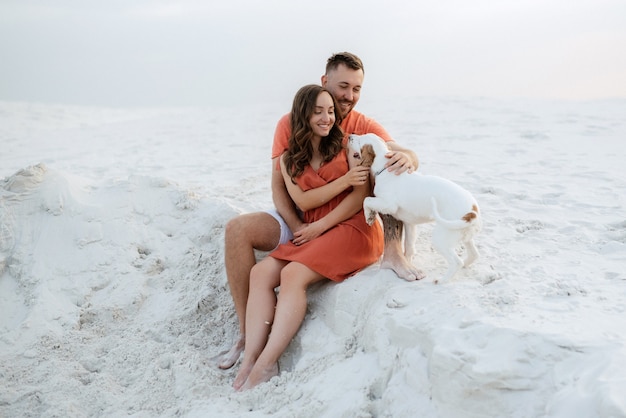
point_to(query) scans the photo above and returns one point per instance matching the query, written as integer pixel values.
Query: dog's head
(367, 150)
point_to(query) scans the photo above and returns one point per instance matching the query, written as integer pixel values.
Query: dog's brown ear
(367, 155)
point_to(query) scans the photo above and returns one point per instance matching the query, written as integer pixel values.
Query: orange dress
(344, 249)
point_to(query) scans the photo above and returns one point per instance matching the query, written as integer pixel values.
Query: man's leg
(393, 255)
(244, 234)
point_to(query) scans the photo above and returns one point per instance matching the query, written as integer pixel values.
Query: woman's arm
(314, 198)
(347, 208)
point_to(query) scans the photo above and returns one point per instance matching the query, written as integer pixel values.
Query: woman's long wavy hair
(300, 150)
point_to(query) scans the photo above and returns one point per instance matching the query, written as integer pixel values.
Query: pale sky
(203, 52)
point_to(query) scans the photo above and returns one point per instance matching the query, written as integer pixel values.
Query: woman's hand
(357, 176)
(308, 233)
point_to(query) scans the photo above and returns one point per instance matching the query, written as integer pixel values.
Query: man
(264, 231)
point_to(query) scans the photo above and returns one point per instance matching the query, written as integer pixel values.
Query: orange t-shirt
(355, 123)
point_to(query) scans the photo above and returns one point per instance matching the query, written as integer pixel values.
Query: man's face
(345, 84)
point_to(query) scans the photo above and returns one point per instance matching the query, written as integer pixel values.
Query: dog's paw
(370, 217)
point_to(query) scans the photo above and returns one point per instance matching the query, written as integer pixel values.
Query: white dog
(414, 198)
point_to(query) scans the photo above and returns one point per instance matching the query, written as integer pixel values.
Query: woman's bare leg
(264, 277)
(290, 311)
(243, 235)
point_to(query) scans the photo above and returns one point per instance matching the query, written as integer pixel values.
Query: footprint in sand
(528, 225)
(617, 231)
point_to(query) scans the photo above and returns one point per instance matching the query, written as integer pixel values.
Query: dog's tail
(466, 220)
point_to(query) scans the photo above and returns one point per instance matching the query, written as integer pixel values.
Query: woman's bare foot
(260, 375)
(229, 358)
(242, 375)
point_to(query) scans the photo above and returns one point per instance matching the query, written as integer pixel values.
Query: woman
(335, 243)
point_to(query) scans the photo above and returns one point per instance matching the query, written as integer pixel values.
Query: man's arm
(282, 201)
(401, 159)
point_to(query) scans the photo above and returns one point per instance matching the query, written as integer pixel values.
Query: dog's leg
(409, 240)
(445, 242)
(472, 252)
(373, 205)
(368, 211)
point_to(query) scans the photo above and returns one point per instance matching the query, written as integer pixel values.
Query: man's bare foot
(227, 359)
(393, 256)
(260, 375)
(402, 267)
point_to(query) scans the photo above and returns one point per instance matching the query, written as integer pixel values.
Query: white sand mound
(98, 283)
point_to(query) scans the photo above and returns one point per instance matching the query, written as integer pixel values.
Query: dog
(414, 198)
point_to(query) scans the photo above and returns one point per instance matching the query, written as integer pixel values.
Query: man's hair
(346, 58)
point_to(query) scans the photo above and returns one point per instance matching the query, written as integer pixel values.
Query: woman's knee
(265, 274)
(257, 272)
(298, 276)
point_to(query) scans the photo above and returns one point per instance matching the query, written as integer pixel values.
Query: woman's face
(323, 117)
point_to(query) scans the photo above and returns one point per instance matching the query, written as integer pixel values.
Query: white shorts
(285, 233)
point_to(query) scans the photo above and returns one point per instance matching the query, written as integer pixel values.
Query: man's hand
(399, 162)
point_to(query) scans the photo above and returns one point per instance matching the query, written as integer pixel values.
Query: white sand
(113, 297)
